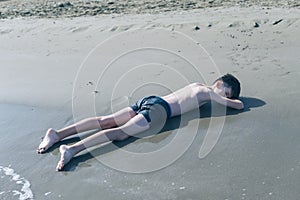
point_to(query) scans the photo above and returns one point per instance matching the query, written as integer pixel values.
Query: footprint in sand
(126, 28)
(79, 29)
(5, 31)
(114, 29)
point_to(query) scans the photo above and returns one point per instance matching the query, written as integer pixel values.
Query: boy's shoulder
(200, 86)
(200, 89)
(197, 84)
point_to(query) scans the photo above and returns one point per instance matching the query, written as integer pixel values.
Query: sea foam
(25, 193)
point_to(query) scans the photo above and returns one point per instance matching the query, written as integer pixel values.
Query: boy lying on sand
(140, 116)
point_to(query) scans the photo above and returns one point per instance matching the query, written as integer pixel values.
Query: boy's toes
(60, 165)
(41, 150)
(50, 138)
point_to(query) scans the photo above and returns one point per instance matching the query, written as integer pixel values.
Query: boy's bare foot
(50, 138)
(65, 157)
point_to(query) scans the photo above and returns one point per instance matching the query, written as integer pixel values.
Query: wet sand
(257, 154)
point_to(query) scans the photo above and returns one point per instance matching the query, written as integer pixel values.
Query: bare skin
(100, 123)
(50, 139)
(134, 126)
(66, 154)
(126, 122)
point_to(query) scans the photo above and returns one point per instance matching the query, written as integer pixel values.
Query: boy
(144, 114)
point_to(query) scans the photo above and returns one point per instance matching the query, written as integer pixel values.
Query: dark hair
(232, 82)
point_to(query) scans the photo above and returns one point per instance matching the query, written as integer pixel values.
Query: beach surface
(58, 70)
(76, 8)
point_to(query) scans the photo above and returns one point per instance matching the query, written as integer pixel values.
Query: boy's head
(229, 86)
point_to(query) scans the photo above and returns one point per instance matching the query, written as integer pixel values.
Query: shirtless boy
(140, 116)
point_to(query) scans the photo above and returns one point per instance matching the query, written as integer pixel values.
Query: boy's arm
(232, 103)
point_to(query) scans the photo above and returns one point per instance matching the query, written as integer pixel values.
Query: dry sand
(75, 8)
(257, 155)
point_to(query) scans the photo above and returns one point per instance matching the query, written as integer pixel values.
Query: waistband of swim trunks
(166, 105)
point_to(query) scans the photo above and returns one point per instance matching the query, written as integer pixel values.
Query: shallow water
(13, 185)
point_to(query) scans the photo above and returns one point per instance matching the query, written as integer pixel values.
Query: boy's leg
(134, 126)
(104, 122)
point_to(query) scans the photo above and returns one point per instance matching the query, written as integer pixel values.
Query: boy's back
(188, 98)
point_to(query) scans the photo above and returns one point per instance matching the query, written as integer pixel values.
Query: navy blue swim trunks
(152, 106)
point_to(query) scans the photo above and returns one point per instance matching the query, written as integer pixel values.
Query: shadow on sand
(206, 111)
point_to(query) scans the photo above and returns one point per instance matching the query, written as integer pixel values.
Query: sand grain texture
(257, 155)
